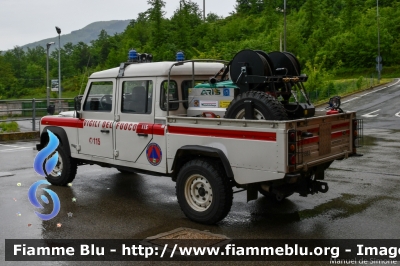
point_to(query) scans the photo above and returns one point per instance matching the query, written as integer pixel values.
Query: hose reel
(276, 73)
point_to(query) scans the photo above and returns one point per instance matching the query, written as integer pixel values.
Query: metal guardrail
(34, 108)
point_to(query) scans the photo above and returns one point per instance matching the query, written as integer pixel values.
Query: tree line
(323, 34)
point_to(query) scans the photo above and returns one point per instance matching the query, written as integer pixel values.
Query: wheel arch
(188, 152)
(60, 134)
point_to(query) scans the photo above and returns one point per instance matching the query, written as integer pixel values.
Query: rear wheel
(65, 170)
(265, 107)
(204, 192)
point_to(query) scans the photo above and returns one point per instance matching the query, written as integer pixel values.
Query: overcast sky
(27, 21)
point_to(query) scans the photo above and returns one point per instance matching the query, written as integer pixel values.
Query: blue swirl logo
(44, 163)
(36, 203)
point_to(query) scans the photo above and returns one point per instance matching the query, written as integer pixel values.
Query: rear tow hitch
(318, 186)
(312, 187)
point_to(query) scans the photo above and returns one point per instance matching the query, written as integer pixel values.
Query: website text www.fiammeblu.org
(272, 250)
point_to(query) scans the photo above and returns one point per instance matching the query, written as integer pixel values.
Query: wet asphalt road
(363, 200)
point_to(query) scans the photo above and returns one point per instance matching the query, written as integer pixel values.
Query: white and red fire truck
(238, 129)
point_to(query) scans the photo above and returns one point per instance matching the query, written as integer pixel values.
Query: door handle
(143, 135)
(105, 131)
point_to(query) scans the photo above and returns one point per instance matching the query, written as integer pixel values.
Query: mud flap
(252, 192)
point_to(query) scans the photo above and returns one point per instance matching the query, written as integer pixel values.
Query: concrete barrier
(19, 136)
(6, 108)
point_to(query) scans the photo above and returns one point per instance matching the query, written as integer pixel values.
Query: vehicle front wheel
(65, 170)
(204, 192)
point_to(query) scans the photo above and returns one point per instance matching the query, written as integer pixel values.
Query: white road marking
(398, 114)
(351, 100)
(4, 174)
(19, 148)
(9, 146)
(371, 114)
(373, 91)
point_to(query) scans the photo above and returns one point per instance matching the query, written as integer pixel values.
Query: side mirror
(78, 105)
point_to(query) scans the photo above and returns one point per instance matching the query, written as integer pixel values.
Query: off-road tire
(65, 170)
(266, 107)
(204, 192)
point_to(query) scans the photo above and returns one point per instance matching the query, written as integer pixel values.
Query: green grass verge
(387, 72)
(343, 87)
(8, 127)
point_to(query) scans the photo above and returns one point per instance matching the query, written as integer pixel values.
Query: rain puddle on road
(373, 137)
(343, 207)
(369, 141)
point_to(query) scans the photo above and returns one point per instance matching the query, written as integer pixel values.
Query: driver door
(134, 131)
(96, 136)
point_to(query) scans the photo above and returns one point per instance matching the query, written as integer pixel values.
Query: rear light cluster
(292, 147)
(357, 128)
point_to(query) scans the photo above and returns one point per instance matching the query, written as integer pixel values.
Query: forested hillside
(326, 35)
(86, 34)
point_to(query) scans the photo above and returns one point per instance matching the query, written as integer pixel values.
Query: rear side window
(100, 97)
(137, 97)
(172, 95)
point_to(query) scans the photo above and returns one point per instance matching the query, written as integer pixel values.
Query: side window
(100, 97)
(137, 97)
(186, 85)
(173, 95)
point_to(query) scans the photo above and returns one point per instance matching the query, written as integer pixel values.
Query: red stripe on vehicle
(153, 129)
(347, 124)
(232, 134)
(313, 130)
(159, 129)
(339, 134)
(144, 128)
(308, 140)
(62, 121)
(315, 139)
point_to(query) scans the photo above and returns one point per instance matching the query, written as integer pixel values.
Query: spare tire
(265, 107)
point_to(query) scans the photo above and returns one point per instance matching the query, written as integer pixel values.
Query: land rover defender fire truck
(210, 125)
